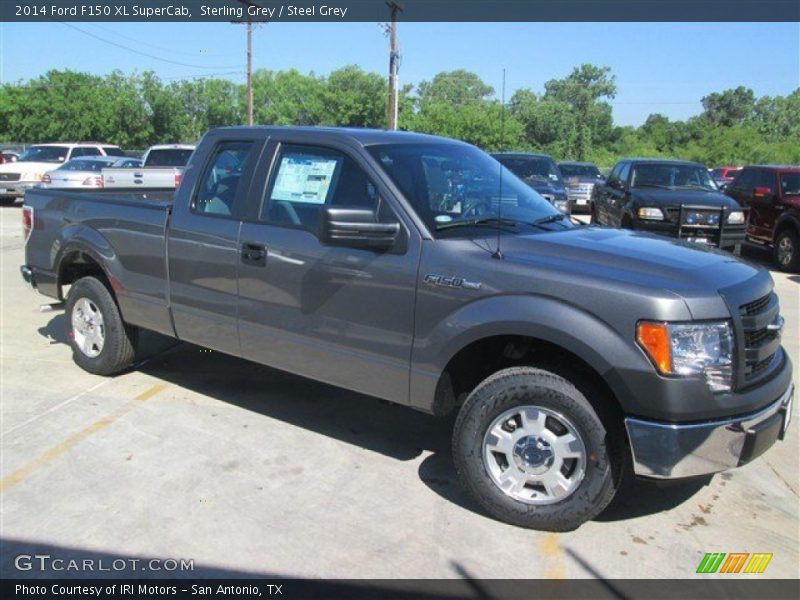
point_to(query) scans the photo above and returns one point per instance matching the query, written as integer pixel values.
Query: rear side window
(168, 157)
(86, 151)
(306, 178)
(766, 179)
(221, 178)
(745, 181)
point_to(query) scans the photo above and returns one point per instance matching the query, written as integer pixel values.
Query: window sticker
(304, 179)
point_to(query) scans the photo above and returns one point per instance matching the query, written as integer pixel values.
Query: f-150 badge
(453, 282)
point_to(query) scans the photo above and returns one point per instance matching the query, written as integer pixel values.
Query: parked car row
(89, 165)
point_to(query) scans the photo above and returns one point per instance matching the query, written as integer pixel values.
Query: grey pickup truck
(418, 270)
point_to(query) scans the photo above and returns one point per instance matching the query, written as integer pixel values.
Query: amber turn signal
(654, 339)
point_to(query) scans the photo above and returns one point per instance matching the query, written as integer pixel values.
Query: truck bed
(128, 229)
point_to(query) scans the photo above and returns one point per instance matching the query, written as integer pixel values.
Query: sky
(659, 67)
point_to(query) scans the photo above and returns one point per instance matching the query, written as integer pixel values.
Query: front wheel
(533, 452)
(787, 251)
(101, 341)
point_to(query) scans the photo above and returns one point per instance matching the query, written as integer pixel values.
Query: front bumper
(672, 451)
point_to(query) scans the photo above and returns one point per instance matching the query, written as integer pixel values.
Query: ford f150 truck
(415, 269)
(675, 198)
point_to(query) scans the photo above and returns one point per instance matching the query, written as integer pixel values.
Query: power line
(139, 52)
(154, 46)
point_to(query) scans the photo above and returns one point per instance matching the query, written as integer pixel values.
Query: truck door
(342, 315)
(203, 246)
(763, 204)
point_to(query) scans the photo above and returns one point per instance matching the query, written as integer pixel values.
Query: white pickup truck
(162, 167)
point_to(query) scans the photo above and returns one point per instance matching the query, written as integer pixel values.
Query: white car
(163, 168)
(86, 172)
(29, 170)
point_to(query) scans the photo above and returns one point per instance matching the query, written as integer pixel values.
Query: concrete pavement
(244, 469)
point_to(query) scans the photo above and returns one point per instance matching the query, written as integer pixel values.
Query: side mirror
(356, 228)
(764, 193)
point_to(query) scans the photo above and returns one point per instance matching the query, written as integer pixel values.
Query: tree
(729, 108)
(354, 98)
(581, 90)
(454, 87)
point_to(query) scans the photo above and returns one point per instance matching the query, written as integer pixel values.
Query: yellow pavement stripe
(49, 455)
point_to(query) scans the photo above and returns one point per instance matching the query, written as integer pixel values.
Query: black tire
(792, 263)
(119, 346)
(7, 200)
(519, 386)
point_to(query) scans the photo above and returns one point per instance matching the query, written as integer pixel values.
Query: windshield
(451, 183)
(532, 169)
(790, 184)
(672, 176)
(81, 164)
(168, 157)
(51, 154)
(568, 171)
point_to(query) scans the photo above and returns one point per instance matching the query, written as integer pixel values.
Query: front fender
(562, 324)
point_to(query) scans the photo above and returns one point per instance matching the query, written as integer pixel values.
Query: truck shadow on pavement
(394, 431)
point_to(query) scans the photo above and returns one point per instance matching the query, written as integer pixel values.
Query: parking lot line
(51, 454)
(56, 407)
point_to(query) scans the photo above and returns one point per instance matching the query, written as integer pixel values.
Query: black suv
(675, 198)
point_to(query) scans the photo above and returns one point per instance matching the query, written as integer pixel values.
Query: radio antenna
(497, 253)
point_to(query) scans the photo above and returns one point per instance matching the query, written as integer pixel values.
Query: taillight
(27, 221)
(46, 178)
(178, 177)
(93, 181)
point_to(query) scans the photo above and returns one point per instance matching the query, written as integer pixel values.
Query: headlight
(736, 217)
(650, 212)
(689, 349)
(32, 176)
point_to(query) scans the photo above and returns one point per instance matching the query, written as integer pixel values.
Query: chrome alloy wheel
(785, 251)
(534, 454)
(88, 328)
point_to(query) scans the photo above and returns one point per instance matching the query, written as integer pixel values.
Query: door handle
(254, 254)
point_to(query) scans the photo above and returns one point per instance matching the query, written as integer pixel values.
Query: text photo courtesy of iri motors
(399, 299)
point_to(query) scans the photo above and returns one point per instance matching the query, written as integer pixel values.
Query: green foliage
(572, 119)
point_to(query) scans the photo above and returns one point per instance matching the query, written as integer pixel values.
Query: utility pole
(249, 72)
(249, 86)
(394, 59)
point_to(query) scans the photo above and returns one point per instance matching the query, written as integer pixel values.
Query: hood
(28, 167)
(636, 259)
(675, 197)
(547, 187)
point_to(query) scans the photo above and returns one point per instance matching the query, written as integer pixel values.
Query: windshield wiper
(490, 221)
(550, 219)
(653, 185)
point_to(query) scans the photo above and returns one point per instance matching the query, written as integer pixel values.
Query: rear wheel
(101, 342)
(533, 452)
(787, 251)
(7, 200)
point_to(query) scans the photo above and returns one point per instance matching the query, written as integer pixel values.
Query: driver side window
(220, 181)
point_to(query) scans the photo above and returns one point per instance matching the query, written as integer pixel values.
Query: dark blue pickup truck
(417, 270)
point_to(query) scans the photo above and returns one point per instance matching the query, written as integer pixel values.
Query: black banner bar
(413, 10)
(711, 588)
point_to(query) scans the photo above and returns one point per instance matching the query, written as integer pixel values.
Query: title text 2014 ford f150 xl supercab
(415, 269)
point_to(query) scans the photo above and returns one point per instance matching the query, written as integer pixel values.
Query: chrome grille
(9, 176)
(756, 306)
(761, 338)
